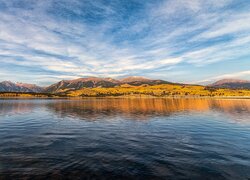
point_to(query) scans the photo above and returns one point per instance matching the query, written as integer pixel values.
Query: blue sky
(198, 41)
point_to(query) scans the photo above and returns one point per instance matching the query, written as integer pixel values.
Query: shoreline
(129, 97)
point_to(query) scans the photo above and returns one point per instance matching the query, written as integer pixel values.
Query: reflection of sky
(9, 107)
(170, 39)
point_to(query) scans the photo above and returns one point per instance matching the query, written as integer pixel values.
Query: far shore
(128, 97)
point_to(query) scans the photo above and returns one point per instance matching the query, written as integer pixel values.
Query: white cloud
(165, 35)
(231, 24)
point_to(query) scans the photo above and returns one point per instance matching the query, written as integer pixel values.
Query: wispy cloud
(67, 39)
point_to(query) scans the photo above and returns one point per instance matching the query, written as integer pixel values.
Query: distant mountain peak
(223, 81)
(94, 79)
(7, 82)
(232, 84)
(135, 78)
(9, 86)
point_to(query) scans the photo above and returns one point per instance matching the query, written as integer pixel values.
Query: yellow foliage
(158, 90)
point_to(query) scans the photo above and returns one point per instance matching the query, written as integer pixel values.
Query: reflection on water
(90, 109)
(125, 138)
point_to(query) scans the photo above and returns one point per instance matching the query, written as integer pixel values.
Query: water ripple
(125, 139)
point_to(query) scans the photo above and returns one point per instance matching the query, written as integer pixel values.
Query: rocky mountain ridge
(231, 84)
(8, 86)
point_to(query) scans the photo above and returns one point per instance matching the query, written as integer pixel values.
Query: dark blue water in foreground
(125, 139)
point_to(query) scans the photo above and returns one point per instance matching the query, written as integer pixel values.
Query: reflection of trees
(134, 108)
(145, 107)
(238, 110)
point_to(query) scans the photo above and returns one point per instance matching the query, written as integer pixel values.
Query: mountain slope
(231, 84)
(76, 84)
(8, 86)
(137, 81)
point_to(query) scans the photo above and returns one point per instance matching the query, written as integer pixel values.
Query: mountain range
(92, 82)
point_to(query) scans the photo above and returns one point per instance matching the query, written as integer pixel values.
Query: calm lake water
(125, 139)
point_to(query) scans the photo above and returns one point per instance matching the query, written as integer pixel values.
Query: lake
(125, 138)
